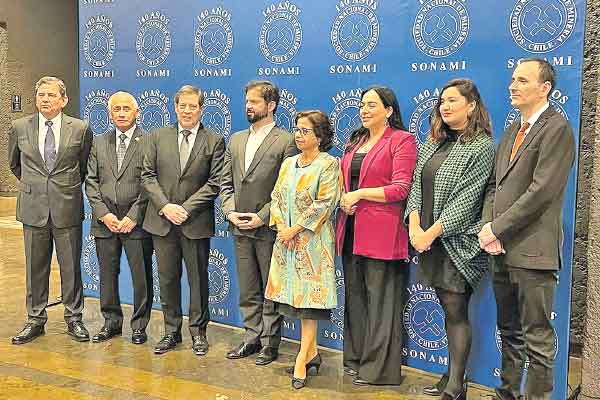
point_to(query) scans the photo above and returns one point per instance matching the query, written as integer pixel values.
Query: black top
(355, 166)
(428, 177)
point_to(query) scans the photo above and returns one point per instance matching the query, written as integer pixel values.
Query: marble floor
(54, 367)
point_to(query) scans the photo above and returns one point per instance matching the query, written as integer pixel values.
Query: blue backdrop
(321, 55)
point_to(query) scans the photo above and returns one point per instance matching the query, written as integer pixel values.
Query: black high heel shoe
(298, 383)
(461, 396)
(312, 367)
(438, 388)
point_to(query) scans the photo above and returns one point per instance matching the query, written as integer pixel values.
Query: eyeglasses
(302, 131)
(184, 107)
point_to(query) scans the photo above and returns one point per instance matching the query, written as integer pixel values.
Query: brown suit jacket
(525, 199)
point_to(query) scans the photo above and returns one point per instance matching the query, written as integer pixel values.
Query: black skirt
(302, 313)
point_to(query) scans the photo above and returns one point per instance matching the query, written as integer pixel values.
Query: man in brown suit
(524, 210)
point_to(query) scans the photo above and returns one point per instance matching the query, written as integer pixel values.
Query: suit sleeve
(138, 209)
(227, 189)
(403, 164)
(92, 184)
(556, 156)
(205, 196)
(86, 145)
(14, 153)
(290, 150)
(150, 176)
(464, 203)
(488, 197)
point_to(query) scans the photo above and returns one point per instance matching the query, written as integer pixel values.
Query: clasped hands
(489, 242)
(348, 202)
(245, 221)
(287, 236)
(421, 240)
(175, 213)
(116, 225)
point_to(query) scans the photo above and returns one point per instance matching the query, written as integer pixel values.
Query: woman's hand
(287, 236)
(421, 241)
(348, 202)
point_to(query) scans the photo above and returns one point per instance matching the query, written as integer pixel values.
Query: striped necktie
(121, 150)
(49, 147)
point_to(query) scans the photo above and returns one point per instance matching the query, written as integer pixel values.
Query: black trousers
(261, 322)
(139, 257)
(373, 335)
(524, 300)
(38, 256)
(170, 251)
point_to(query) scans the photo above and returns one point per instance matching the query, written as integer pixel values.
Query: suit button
(500, 187)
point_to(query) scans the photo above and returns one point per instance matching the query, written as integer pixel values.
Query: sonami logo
(216, 114)
(418, 124)
(153, 41)
(98, 46)
(154, 111)
(213, 37)
(344, 117)
(286, 111)
(90, 259)
(424, 318)
(96, 111)
(218, 276)
(280, 36)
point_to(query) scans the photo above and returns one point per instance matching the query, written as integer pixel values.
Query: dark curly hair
(321, 126)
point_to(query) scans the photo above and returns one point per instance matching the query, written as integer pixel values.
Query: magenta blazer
(379, 230)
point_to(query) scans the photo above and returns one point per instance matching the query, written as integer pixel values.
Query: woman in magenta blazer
(371, 237)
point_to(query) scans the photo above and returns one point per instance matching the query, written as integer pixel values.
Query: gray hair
(119, 93)
(52, 79)
(189, 89)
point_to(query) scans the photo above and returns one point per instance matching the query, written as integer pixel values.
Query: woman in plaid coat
(444, 211)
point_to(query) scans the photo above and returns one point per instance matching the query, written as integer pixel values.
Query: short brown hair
(268, 91)
(321, 127)
(62, 88)
(189, 89)
(546, 72)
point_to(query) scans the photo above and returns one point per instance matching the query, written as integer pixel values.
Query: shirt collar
(55, 121)
(263, 130)
(128, 133)
(194, 130)
(535, 116)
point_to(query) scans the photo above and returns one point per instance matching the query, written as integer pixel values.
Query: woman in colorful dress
(371, 237)
(302, 273)
(444, 210)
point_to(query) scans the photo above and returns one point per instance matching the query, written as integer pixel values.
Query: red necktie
(518, 140)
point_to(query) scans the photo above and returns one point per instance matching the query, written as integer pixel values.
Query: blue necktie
(50, 147)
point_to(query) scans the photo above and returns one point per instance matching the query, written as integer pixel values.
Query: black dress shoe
(360, 381)
(350, 371)
(438, 388)
(267, 355)
(312, 367)
(243, 350)
(28, 333)
(138, 336)
(105, 334)
(200, 345)
(461, 396)
(77, 331)
(167, 343)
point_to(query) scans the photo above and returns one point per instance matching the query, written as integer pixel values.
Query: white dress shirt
(255, 139)
(43, 129)
(533, 119)
(129, 135)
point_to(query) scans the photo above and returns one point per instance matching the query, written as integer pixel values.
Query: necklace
(304, 163)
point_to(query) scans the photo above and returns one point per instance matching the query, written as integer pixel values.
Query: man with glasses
(48, 153)
(113, 187)
(180, 174)
(251, 167)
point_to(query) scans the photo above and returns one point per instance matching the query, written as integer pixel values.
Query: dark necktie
(519, 139)
(184, 149)
(49, 147)
(121, 149)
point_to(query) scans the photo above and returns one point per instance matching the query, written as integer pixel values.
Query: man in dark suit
(114, 190)
(48, 154)
(524, 207)
(251, 167)
(181, 173)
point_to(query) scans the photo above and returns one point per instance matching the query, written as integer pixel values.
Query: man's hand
(495, 248)
(126, 225)
(250, 221)
(235, 218)
(486, 235)
(421, 242)
(175, 213)
(111, 221)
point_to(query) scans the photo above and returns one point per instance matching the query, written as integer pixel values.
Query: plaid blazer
(459, 190)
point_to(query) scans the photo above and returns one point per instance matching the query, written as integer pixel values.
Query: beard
(256, 116)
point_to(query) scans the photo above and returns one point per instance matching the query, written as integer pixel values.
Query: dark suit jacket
(526, 197)
(194, 188)
(110, 190)
(44, 193)
(251, 191)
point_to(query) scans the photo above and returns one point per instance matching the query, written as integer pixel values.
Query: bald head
(123, 110)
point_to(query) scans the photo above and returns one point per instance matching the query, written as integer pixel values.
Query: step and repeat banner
(321, 55)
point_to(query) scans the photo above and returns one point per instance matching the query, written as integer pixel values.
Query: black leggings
(458, 329)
